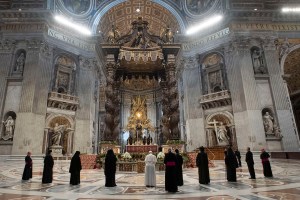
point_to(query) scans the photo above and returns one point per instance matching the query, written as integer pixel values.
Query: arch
(50, 120)
(225, 115)
(102, 11)
(284, 57)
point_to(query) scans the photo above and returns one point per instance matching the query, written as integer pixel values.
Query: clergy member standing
(75, 168)
(179, 168)
(110, 169)
(264, 156)
(202, 164)
(231, 164)
(48, 168)
(250, 163)
(170, 173)
(27, 173)
(150, 176)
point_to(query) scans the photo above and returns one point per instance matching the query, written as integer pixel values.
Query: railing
(215, 96)
(213, 159)
(63, 101)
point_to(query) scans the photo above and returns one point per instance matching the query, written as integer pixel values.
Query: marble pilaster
(281, 101)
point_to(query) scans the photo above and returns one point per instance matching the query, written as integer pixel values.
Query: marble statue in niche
(258, 61)
(268, 121)
(58, 130)
(199, 6)
(20, 62)
(218, 133)
(9, 124)
(222, 135)
(77, 6)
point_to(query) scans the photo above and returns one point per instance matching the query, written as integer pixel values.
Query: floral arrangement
(160, 156)
(126, 155)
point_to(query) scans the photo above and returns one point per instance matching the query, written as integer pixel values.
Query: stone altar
(141, 148)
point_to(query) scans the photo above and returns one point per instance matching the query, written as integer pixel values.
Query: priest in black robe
(231, 164)
(110, 169)
(264, 156)
(202, 164)
(250, 163)
(179, 168)
(27, 173)
(48, 168)
(75, 168)
(170, 173)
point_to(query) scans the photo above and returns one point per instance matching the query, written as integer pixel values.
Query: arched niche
(258, 60)
(220, 129)
(67, 137)
(19, 62)
(8, 126)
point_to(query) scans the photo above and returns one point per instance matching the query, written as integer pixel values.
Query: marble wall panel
(195, 133)
(29, 134)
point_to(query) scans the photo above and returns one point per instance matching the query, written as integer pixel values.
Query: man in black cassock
(264, 156)
(170, 173)
(250, 163)
(75, 168)
(110, 169)
(238, 156)
(48, 168)
(202, 164)
(231, 164)
(179, 168)
(27, 173)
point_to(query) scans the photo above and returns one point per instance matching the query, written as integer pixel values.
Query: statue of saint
(58, 130)
(168, 36)
(20, 63)
(113, 35)
(222, 134)
(258, 63)
(9, 124)
(268, 123)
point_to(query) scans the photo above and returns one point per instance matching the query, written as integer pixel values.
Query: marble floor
(284, 185)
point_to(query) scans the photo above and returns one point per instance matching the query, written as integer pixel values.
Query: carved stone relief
(199, 6)
(77, 6)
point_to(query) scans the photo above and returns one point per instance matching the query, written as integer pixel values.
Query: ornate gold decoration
(139, 84)
(124, 13)
(138, 115)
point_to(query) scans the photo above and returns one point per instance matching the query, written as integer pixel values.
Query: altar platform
(141, 148)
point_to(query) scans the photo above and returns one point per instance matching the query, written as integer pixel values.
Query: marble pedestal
(56, 150)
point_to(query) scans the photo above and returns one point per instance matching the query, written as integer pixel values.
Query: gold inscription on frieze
(264, 27)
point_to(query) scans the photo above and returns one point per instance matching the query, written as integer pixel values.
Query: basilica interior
(149, 75)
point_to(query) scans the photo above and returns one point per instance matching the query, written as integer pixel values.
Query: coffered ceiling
(292, 70)
(125, 13)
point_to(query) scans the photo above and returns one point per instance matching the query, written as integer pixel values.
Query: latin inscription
(206, 39)
(265, 27)
(72, 41)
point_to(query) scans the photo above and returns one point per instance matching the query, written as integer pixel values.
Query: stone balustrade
(216, 99)
(63, 101)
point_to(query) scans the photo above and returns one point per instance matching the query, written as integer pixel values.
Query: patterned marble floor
(284, 185)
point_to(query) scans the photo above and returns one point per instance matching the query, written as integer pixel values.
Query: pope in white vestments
(150, 176)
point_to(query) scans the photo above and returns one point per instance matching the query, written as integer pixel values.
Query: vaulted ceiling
(292, 71)
(125, 13)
